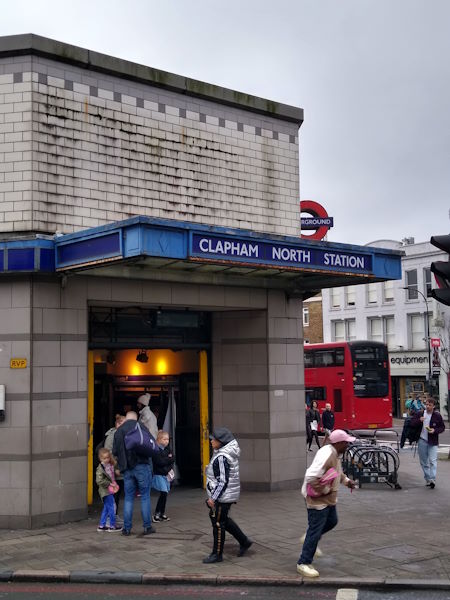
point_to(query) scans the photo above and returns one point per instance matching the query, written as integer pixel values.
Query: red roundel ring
(316, 210)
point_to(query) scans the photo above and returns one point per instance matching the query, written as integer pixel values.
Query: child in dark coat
(162, 475)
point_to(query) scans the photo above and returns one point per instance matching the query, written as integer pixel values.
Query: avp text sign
(246, 251)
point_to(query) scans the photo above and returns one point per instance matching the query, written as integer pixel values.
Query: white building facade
(403, 315)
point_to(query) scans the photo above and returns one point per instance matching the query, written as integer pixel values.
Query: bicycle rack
(368, 463)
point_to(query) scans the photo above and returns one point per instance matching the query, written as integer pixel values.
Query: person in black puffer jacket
(162, 475)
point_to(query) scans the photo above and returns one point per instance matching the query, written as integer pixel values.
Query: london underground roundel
(318, 221)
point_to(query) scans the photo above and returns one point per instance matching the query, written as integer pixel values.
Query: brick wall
(79, 149)
(16, 132)
(314, 331)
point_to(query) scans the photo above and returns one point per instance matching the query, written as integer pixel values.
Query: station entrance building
(149, 241)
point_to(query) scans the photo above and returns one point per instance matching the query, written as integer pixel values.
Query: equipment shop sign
(408, 363)
(212, 247)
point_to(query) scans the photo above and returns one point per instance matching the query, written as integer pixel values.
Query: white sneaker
(307, 571)
(318, 552)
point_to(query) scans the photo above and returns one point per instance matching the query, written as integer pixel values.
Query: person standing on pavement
(432, 427)
(108, 443)
(320, 499)
(105, 477)
(312, 424)
(146, 416)
(162, 465)
(327, 421)
(137, 475)
(223, 487)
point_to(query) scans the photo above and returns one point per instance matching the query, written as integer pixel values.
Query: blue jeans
(109, 511)
(319, 522)
(428, 459)
(135, 479)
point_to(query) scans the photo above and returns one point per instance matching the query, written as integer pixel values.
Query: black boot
(218, 542)
(213, 558)
(244, 547)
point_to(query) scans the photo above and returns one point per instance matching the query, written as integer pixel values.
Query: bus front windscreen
(370, 371)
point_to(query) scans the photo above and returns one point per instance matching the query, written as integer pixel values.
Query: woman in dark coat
(312, 425)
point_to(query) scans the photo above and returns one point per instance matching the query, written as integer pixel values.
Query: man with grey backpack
(137, 473)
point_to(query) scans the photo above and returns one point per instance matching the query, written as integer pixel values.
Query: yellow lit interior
(160, 362)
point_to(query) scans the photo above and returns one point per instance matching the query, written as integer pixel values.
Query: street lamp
(427, 334)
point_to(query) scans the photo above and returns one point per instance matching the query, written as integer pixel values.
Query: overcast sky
(373, 77)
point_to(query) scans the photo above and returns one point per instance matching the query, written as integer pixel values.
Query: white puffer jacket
(217, 478)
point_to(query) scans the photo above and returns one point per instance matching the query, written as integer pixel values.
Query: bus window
(324, 358)
(315, 393)
(340, 354)
(370, 373)
(309, 359)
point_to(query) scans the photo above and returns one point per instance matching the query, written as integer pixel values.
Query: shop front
(409, 376)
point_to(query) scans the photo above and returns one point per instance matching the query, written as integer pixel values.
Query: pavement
(385, 537)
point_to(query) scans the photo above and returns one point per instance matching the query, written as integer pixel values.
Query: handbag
(113, 487)
(326, 481)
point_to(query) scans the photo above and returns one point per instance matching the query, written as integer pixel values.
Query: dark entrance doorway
(140, 349)
(174, 401)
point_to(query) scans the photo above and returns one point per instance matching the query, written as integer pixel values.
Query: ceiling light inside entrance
(142, 356)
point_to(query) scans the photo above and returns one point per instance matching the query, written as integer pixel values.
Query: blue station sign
(299, 256)
(156, 241)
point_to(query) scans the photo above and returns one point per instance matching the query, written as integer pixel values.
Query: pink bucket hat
(339, 435)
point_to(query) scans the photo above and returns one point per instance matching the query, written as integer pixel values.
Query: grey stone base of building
(38, 521)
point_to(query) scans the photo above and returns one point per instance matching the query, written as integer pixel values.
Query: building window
(350, 329)
(376, 330)
(411, 285)
(305, 316)
(338, 331)
(335, 297)
(372, 293)
(389, 332)
(343, 331)
(381, 329)
(427, 282)
(416, 331)
(350, 295)
(388, 291)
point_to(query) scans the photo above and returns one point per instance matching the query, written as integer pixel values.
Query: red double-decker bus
(354, 378)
